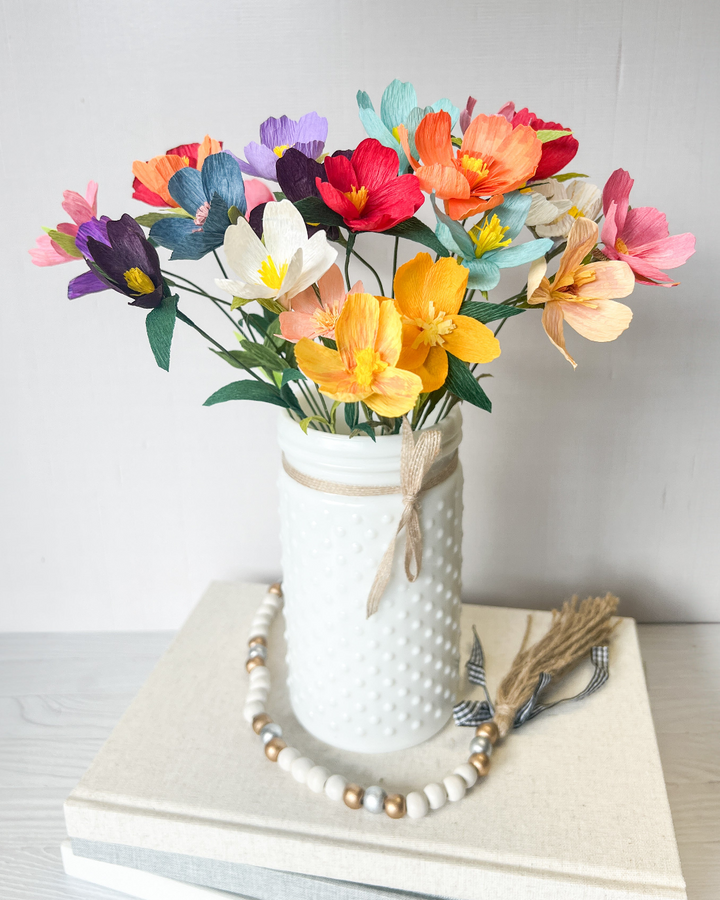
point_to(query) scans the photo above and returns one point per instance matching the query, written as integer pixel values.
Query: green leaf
(263, 356)
(147, 220)
(352, 415)
(279, 195)
(234, 214)
(160, 325)
(488, 312)
(66, 241)
(259, 323)
(333, 416)
(291, 400)
(247, 390)
(462, 383)
(546, 135)
(308, 419)
(316, 212)
(364, 428)
(415, 230)
(236, 358)
(291, 375)
(566, 176)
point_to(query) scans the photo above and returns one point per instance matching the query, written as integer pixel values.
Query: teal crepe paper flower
(495, 231)
(206, 196)
(399, 107)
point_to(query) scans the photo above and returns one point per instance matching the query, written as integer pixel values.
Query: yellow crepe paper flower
(581, 295)
(428, 296)
(368, 334)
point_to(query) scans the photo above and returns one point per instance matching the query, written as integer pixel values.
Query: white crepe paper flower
(285, 262)
(557, 205)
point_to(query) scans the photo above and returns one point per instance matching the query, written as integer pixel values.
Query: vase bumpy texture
(388, 682)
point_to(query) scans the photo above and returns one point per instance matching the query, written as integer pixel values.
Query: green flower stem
(222, 267)
(348, 250)
(187, 321)
(314, 408)
(502, 322)
(395, 260)
(367, 265)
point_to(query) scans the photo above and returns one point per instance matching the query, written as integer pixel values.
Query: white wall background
(122, 496)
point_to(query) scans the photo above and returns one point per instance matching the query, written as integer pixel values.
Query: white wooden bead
(335, 787)
(436, 795)
(316, 778)
(253, 709)
(271, 601)
(257, 693)
(260, 677)
(468, 774)
(287, 757)
(300, 769)
(264, 615)
(455, 787)
(417, 805)
(260, 627)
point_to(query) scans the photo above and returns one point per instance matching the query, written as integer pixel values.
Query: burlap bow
(416, 459)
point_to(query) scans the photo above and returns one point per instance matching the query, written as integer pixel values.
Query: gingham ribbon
(475, 712)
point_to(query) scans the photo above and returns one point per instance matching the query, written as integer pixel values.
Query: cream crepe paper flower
(557, 205)
(285, 262)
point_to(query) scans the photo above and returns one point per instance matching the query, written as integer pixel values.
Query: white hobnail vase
(388, 682)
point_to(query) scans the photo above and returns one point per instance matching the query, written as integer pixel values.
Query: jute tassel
(574, 630)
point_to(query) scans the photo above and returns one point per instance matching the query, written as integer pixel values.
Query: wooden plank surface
(60, 696)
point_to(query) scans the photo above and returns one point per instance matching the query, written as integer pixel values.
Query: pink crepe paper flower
(640, 236)
(256, 193)
(80, 209)
(311, 318)
(466, 114)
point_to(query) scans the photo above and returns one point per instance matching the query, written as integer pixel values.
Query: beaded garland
(373, 799)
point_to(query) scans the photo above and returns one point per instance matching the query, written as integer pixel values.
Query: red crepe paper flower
(555, 154)
(366, 189)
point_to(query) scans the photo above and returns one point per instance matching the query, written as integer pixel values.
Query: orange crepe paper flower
(582, 295)
(156, 173)
(369, 339)
(428, 296)
(494, 158)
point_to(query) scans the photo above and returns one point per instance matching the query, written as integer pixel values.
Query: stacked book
(181, 802)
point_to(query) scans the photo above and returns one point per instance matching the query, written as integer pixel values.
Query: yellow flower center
(280, 149)
(567, 287)
(621, 246)
(433, 328)
(475, 165)
(489, 235)
(326, 319)
(358, 197)
(138, 281)
(575, 212)
(368, 364)
(270, 275)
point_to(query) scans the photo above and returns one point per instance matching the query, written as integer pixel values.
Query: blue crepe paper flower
(496, 230)
(399, 107)
(206, 196)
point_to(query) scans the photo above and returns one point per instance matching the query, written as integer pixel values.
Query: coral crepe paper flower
(428, 296)
(640, 236)
(555, 154)
(363, 368)
(310, 317)
(152, 177)
(280, 266)
(494, 158)
(582, 295)
(48, 252)
(366, 189)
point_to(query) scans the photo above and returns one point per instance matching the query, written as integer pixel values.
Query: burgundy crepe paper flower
(641, 236)
(366, 189)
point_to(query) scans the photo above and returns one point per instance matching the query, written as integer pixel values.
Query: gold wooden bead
(488, 730)
(255, 661)
(258, 639)
(481, 762)
(273, 748)
(353, 796)
(260, 721)
(395, 806)
(275, 589)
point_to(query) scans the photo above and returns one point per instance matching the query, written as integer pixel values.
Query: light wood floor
(60, 696)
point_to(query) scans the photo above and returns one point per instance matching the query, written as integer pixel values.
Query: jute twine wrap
(416, 459)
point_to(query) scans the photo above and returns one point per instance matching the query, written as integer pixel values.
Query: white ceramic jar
(390, 681)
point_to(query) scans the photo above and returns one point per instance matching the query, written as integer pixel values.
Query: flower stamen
(138, 281)
(270, 275)
(358, 196)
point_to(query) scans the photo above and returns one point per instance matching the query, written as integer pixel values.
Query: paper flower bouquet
(309, 340)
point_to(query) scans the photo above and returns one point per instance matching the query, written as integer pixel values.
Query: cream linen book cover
(574, 807)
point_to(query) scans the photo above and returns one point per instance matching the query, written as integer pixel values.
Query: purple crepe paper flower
(278, 135)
